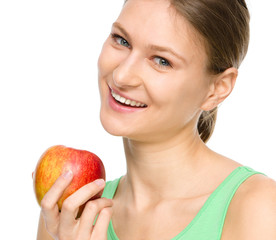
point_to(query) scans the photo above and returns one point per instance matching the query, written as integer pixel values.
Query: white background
(49, 95)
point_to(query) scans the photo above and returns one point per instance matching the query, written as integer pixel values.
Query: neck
(156, 171)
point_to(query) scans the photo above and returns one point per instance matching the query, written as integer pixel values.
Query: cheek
(180, 94)
(173, 90)
(193, 88)
(109, 59)
(105, 63)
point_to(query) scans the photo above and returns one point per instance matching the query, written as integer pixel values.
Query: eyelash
(117, 39)
(162, 60)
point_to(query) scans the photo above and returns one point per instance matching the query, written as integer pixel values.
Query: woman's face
(154, 64)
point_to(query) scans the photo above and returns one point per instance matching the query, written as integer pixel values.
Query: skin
(64, 225)
(170, 171)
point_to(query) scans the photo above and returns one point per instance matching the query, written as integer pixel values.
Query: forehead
(157, 22)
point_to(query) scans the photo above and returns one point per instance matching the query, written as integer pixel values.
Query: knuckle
(109, 202)
(92, 205)
(68, 205)
(107, 212)
(46, 204)
(93, 187)
(105, 202)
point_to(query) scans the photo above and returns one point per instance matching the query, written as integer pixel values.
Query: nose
(128, 73)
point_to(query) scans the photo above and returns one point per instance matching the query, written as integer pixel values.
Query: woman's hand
(64, 225)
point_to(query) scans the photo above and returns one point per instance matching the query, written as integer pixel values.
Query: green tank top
(208, 223)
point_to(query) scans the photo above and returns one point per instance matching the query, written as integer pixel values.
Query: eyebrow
(151, 46)
(119, 26)
(166, 49)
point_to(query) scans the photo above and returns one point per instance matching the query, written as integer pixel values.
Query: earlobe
(220, 89)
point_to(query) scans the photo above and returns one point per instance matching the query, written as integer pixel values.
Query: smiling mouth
(127, 102)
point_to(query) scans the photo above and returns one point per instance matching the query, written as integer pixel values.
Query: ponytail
(206, 124)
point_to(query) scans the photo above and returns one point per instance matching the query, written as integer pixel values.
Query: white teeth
(122, 100)
(127, 101)
(117, 97)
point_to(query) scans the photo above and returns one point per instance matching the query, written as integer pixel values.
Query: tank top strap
(110, 188)
(109, 191)
(208, 223)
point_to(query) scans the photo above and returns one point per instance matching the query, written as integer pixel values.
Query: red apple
(86, 167)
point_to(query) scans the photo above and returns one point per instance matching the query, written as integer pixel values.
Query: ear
(220, 88)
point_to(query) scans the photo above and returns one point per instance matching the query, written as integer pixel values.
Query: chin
(111, 125)
(119, 128)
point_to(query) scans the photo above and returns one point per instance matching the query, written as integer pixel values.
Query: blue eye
(161, 62)
(120, 40)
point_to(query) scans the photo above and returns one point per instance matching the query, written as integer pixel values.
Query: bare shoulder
(252, 211)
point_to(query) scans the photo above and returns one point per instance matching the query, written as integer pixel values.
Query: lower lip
(121, 108)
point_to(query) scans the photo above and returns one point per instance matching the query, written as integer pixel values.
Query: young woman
(163, 71)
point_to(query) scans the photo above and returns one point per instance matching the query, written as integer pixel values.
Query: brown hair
(224, 26)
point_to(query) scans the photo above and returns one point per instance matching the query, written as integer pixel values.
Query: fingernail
(67, 174)
(99, 182)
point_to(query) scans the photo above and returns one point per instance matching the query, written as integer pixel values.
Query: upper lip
(123, 95)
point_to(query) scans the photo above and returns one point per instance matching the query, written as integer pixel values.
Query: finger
(49, 202)
(101, 226)
(92, 208)
(71, 204)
